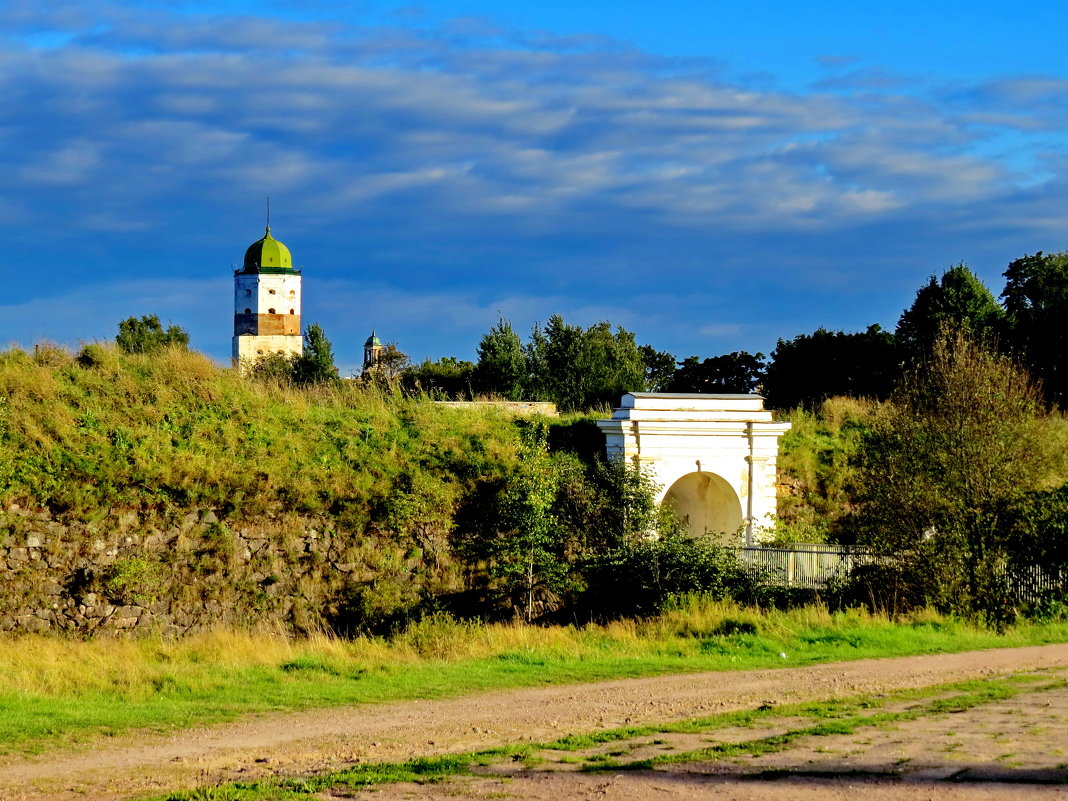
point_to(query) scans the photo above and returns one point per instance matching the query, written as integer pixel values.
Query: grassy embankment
(81, 435)
(103, 445)
(59, 691)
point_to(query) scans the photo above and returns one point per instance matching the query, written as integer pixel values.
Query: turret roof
(268, 255)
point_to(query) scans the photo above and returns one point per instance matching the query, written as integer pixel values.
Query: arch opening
(707, 504)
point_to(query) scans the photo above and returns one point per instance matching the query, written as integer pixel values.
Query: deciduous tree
(659, 368)
(447, 377)
(147, 334)
(958, 300)
(810, 368)
(1036, 299)
(945, 467)
(731, 373)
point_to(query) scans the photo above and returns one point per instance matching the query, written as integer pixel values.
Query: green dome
(373, 341)
(267, 255)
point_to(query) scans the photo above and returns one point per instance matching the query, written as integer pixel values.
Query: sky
(711, 176)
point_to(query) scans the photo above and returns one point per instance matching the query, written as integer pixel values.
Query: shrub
(642, 578)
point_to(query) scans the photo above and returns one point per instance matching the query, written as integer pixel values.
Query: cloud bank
(428, 178)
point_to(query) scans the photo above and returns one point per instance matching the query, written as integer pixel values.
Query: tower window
(248, 291)
(270, 311)
(248, 311)
(292, 292)
(292, 311)
(270, 291)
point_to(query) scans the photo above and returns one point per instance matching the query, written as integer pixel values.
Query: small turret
(372, 351)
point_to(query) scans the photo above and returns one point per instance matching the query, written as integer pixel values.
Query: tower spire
(268, 214)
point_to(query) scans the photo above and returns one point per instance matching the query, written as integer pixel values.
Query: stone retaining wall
(150, 573)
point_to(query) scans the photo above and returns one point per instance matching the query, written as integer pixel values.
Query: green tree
(580, 368)
(1040, 533)
(447, 377)
(732, 373)
(537, 388)
(528, 551)
(147, 335)
(608, 504)
(612, 365)
(502, 364)
(810, 368)
(315, 365)
(659, 368)
(944, 469)
(1036, 299)
(958, 300)
(565, 381)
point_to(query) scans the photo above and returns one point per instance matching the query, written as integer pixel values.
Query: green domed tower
(372, 351)
(266, 303)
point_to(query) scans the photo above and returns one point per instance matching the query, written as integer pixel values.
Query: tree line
(578, 367)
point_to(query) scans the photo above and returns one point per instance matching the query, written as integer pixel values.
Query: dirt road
(328, 739)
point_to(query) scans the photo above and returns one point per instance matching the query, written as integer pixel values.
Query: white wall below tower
(248, 348)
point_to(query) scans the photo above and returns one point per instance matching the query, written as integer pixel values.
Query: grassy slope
(175, 430)
(108, 442)
(62, 691)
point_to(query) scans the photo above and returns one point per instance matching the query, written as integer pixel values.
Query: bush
(641, 579)
(147, 335)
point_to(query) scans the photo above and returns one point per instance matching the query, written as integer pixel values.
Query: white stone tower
(266, 303)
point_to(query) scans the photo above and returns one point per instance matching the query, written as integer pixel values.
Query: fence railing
(810, 566)
(813, 565)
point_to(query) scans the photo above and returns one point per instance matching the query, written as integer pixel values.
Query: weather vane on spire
(268, 214)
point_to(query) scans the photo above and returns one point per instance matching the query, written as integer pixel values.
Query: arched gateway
(714, 456)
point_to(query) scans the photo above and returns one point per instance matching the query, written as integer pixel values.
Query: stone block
(31, 623)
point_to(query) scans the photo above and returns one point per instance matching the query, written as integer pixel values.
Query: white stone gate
(714, 457)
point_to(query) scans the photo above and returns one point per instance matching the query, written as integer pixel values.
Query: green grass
(58, 692)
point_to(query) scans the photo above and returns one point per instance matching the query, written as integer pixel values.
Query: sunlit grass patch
(56, 690)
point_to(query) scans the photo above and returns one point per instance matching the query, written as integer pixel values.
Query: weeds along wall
(162, 492)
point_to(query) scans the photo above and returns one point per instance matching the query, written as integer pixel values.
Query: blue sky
(711, 176)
